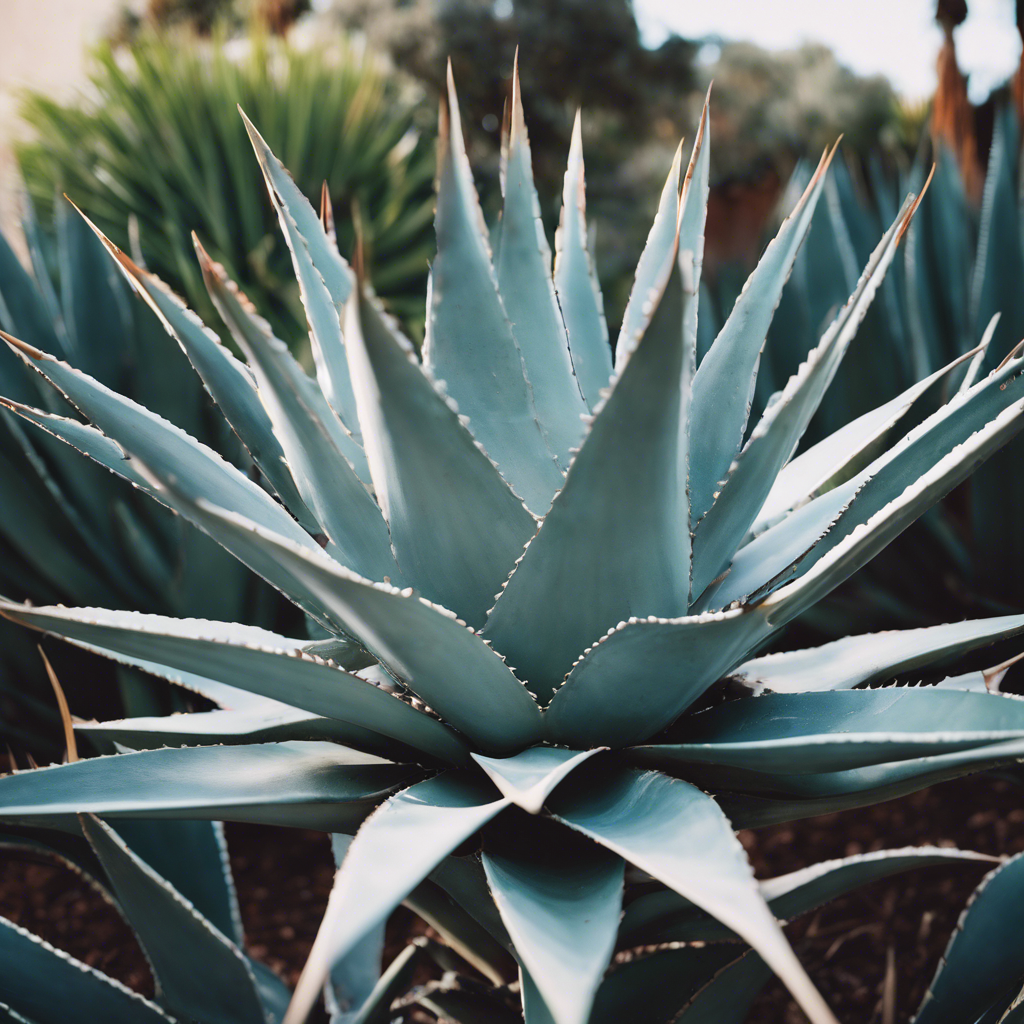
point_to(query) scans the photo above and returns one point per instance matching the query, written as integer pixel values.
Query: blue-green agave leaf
(9, 1016)
(270, 665)
(693, 212)
(353, 980)
(579, 293)
(771, 557)
(957, 437)
(210, 727)
(227, 380)
(417, 641)
(652, 988)
(529, 777)
(728, 997)
(983, 965)
(469, 342)
(643, 673)
(325, 280)
(642, 816)
(869, 657)
(411, 833)
(465, 882)
(523, 267)
(661, 247)
(73, 993)
(754, 799)
(108, 453)
(451, 999)
(976, 364)
(808, 733)
(838, 457)
(193, 857)
(306, 785)
(456, 527)
(787, 416)
(200, 973)
(861, 532)
(724, 385)
(617, 530)
(563, 917)
(462, 932)
(94, 306)
(164, 449)
(328, 466)
(668, 917)
(25, 311)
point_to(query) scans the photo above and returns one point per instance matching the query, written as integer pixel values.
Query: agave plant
(546, 579)
(70, 532)
(956, 283)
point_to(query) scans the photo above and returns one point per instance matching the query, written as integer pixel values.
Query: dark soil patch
(284, 877)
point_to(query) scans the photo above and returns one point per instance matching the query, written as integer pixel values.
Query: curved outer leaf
(770, 799)
(668, 917)
(562, 917)
(228, 381)
(724, 384)
(579, 294)
(679, 835)
(193, 857)
(325, 280)
(417, 641)
(617, 530)
(787, 416)
(869, 657)
(319, 451)
(213, 727)
(277, 668)
(412, 832)
(529, 777)
(108, 453)
(523, 268)
(771, 557)
(958, 425)
(306, 785)
(984, 962)
(469, 342)
(728, 997)
(809, 733)
(456, 527)
(826, 463)
(161, 446)
(73, 993)
(645, 672)
(199, 972)
(665, 979)
(661, 246)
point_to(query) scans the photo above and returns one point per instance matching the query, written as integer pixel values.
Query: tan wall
(42, 45)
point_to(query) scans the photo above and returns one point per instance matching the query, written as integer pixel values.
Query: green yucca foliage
(957, 283)
(547, 578)
(162, 142)
(70, 532)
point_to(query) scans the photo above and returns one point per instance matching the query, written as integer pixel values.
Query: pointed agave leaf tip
(913, 209)
(327, 212)
(62, 703)
(23, 346)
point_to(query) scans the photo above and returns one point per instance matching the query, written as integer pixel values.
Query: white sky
(897, 38)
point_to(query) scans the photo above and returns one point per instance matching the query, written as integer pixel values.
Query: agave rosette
(531, 568)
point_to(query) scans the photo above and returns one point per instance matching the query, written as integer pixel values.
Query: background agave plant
(956, 284)
(162, 143)
(74, 534)
(519, 751)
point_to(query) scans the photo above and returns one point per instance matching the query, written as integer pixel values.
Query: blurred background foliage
(160, 140)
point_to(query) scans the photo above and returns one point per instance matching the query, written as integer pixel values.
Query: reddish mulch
(284, 877)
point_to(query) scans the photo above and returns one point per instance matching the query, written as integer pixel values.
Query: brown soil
(284, 877)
